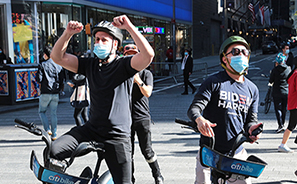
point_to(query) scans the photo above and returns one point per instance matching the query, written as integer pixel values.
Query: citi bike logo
(58, 179)
(240, 167)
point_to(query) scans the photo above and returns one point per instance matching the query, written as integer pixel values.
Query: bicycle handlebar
(23, 123)
(30, 127)
(189, 124)
(241, 138)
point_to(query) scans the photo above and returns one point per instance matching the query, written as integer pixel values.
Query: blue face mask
(239, 63)
(0, 51)
(101, 50)
(186, 53)
(287, 51)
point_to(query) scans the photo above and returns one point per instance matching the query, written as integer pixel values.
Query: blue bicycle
(54, 171)
(223, 167)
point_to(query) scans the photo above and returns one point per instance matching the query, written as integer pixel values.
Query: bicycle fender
(105, 178)
(229, 165)
(49, 176)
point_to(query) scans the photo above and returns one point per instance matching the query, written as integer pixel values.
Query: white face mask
(239, 63)
(287, 51)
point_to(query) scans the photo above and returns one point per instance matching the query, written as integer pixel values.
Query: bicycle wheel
(105, 178)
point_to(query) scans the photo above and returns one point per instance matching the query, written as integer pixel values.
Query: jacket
(292, 96)
(290, 59)
(189, 65)
(169, 53)
(51, 76)
(278, 77)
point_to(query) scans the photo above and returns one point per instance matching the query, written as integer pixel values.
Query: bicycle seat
(252, 167)
(85, 148)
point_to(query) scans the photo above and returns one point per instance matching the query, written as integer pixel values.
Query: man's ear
(116, 44)
(224, 60)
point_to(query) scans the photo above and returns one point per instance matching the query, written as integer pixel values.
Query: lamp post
(173, 38)
(225, 21)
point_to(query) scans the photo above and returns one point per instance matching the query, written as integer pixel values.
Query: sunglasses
(128, 48)
(237, 51)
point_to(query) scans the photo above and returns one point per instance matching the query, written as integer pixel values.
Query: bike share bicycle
(53, 170)
(225, 167)
(268, 97)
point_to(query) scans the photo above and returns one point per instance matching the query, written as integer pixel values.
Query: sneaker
(280, 129)
(159, 180)
(285, 149)
(49, 132)
(54, 138)
(184, 93)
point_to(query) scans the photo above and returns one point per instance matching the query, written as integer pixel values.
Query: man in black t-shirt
(110, 81)
(141, 118)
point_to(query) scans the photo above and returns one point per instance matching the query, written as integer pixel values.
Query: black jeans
(280, 108)
(143, 131)
(187, 82)
(84, 114)
(117, 150)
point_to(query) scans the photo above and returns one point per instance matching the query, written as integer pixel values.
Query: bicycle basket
(229, 165)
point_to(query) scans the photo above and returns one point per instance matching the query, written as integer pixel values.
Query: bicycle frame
(54, 172)
(268, 97)
(225, 166)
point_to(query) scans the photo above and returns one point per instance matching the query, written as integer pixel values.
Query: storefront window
(78, 42)
(23, 24)
(182, 40)
(98, 15)
(54, 19)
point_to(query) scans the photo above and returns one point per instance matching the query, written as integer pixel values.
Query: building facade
(26, 27)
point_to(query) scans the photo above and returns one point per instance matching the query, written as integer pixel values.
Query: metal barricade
(199, 71)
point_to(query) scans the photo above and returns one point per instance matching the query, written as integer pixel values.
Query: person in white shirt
(187, 67)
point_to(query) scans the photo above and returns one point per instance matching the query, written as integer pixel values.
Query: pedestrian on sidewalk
(77, 81)
(292, 107)
(141, 118)
(187, 68)
(289, 55)
(169, 55)
(278, 78)
(110, 79)
(51, 77)
(229, 102)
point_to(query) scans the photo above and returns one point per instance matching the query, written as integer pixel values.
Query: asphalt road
(176, 147)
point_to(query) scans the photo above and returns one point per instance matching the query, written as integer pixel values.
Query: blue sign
(164, 8)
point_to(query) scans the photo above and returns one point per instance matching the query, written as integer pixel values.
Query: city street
(176, 147)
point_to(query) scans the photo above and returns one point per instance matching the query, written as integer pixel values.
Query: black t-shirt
(110, 91)
(140, 103)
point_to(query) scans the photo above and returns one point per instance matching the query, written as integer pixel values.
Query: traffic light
(230, 4)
